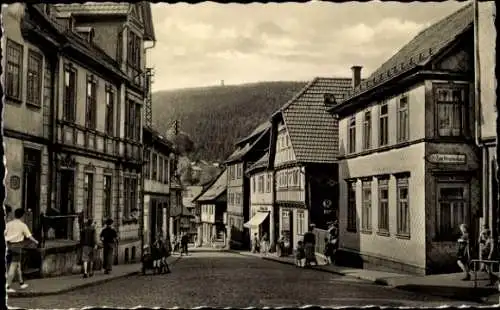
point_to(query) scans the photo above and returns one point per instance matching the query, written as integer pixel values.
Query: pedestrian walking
(184, 243)
(88, 243)
(255, 243)
(265, 244)
(300, 255)
(309, 246)
(109, 239)
(486, 249)
(16, 232)
(463, 253)
(329, 252)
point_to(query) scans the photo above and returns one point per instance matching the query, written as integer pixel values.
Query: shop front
(260, 222)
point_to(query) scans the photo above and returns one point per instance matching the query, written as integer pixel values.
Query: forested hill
(216, 117)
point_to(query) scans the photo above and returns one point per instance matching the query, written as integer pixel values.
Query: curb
(77, 287)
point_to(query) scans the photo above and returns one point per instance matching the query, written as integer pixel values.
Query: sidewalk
(443, 285)
(64, 284)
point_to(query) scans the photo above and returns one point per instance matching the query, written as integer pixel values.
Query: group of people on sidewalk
(306, 248)
(89, 245)
(260, 245)
(180, 243)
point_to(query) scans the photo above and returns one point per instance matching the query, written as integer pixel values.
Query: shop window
(367, 130)
(352, 134)
(403, 207)
(366, 216)
(452, 210)
(383, 204)
(351, 206)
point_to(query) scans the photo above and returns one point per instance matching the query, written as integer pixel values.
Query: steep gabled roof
(240, 152)
(420, 50)
(312, 130)
(261, 128)
(214, 190)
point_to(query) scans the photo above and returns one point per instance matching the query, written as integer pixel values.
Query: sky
(202, 44)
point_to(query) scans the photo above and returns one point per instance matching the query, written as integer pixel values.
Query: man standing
(309, 245)
(16, 231)
(109, 239)
(184, 243)
(88, 242)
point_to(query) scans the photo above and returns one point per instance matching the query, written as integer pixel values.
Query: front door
(31, 188)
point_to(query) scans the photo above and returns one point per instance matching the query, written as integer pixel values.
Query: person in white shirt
(16, 231)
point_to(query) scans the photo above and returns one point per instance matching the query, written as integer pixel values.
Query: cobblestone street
(232, 280)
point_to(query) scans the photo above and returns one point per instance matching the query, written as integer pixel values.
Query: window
(367, 130)
(88, 195)
(261, 184)
(366, 216)
(110, 103)
(239, 171)
(154, 164)
(147, 164)
(450, 106)
(383, 205)
(134, 50)
(268, 183)
(452, 210)
(351, 206)
(300, 222)
(138, 128)
(384, 125)
(160, 170)
(107, 196)
(34, 79)
(133, 121)
(403, 216)
(69, 107)
(295, 178)
(13, 78)
(352, 134)
(403, 120)
(91, 107)
(166, 177)
(238, 198)
(253, 184)
(130, 195)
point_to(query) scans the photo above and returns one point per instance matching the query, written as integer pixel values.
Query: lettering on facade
(447, 158)
(263, 209)
(15, 182)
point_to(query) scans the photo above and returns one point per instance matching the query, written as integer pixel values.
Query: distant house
(248, 150)
(408, 164)
(212, 207)
(188, 194)
(303, 154)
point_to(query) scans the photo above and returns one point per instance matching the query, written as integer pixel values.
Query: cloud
(201, 44)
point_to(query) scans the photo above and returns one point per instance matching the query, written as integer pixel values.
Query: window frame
(383, 135)
(154, 166)
(10, 46)
(403, 129)
(147, 164)
(268, 182)
(367, 129)
(451, 235)
(351, 127)
(352, 212)
(107, 198)
(88, 195)
(403, 182)
(34, 79)
(462, 105)
(301, 222)
(367, 210)
(91, 102)
(70, 92)
(110, 110)
(383, 206)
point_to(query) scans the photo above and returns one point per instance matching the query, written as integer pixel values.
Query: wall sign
(447, 158)
(15, 182)
(263, 209)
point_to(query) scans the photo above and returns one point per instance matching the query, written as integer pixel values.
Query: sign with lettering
(15, 182)
(264, 209)
(447, 158)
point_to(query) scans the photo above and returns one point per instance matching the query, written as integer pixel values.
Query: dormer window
(329, 99)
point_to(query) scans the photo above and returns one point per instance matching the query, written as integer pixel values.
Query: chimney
(356, 75)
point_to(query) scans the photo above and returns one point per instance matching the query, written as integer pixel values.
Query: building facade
(261, 199)
(248, 150)
(409, 164)
(158, 154)
(188, 194)
(89, 112)
(212, 206)
(486, 107)
(303, 155)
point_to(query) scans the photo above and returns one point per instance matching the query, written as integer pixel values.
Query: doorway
(64, 227)
(31, 188)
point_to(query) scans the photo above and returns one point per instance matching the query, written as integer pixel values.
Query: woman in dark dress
(463, 254)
